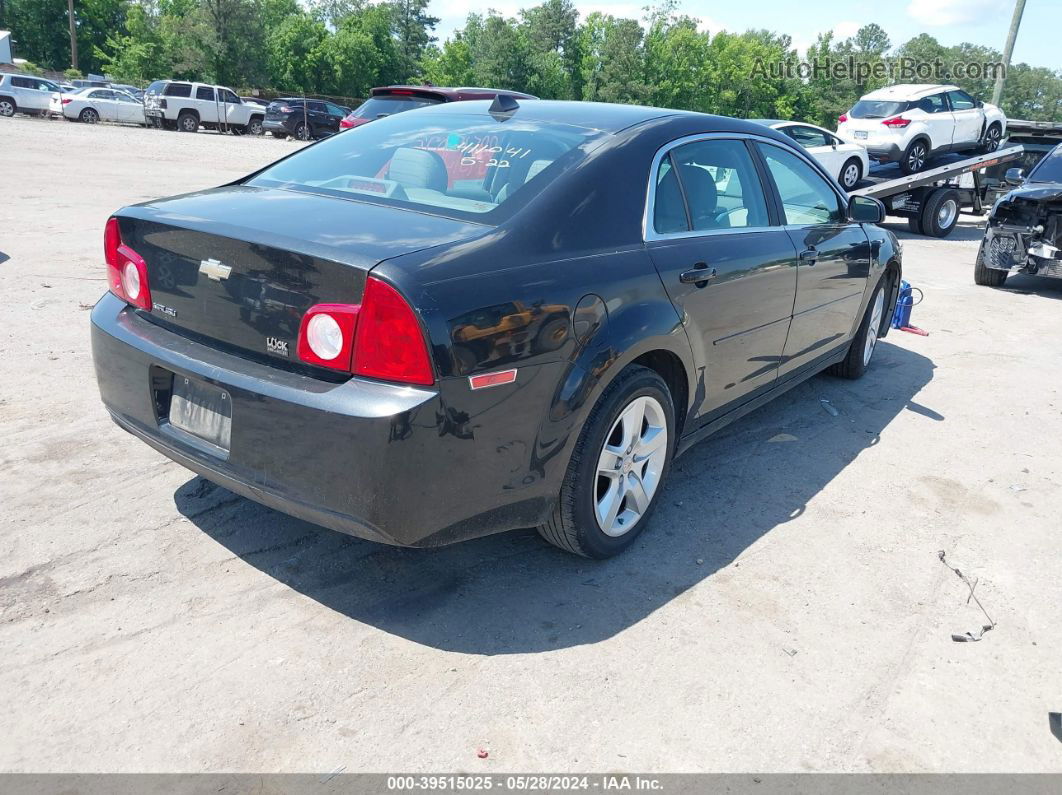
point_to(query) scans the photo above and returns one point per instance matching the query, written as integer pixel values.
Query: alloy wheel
(850, 176)
(255, 127)
(874, 326)
(917, 157)
(630, 465)
(992, 138)
(89, 116)
(7, 108)
(947, 214)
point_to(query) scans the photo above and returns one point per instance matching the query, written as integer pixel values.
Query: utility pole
(73, 34)
(1008, 49)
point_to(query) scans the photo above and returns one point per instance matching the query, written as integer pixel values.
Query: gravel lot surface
(786, 612)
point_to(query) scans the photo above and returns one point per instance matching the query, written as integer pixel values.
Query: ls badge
(214, 270)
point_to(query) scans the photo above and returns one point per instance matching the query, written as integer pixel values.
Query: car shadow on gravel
(969, 228)
(512, 593)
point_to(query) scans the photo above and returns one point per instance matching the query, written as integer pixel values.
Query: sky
(949, 21)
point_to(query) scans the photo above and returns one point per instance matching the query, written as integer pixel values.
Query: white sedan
(847, 161)
(91, 105)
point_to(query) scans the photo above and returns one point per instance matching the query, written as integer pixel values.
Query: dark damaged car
(1024, 230)
(485, 316)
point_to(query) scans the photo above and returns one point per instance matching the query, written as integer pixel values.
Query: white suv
(908, 124)
(25, 94)
(184, 106)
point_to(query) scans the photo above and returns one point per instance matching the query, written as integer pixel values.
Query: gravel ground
(786, 612)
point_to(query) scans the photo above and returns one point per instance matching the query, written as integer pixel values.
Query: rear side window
(23, 82)
(708, 185)
(877, 109)
(934, 103)
(204, 92)
(178, 90)
(806, 197)
(464, 166)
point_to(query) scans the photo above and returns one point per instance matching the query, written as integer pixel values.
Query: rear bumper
(889, 153)
(361, 457)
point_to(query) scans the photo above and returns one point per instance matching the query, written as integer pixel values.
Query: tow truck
(931, 200)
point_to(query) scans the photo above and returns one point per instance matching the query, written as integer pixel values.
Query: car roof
(603, 116)
(449, 92)
(906, 91)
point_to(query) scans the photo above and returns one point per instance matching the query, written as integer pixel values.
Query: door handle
(700, 274)
(809, 255)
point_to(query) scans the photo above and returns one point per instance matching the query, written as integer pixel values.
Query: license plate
(202, 410)
(861, 134)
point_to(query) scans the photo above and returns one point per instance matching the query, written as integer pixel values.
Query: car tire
(8, 107)
(915, 156)
(985, 276)
(940, 213)
(254, 126)
(279, 135)
(302, 132)
(861, 351)
(88, 116)
(992, 137)
(188, 122)
(576, 524)
(851, 173)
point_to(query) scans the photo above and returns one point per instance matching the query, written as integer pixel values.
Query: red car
(387, 100)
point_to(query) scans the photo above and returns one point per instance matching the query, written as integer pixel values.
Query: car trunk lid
(239, 266)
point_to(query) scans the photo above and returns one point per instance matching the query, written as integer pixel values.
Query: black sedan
(484, 316)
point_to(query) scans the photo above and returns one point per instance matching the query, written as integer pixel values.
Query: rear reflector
(492, 379)
(127, 275)
(390, 343)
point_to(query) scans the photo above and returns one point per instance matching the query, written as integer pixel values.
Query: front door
(729, 272)
(832, 257)
(968, 119)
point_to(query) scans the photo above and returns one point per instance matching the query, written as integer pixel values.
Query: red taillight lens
(127, 275)
(898, 121)
(842, 118)
(326, 335)
(390, 344)
(379, 338)
(67, 100)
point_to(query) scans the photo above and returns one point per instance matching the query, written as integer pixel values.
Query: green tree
(413, 28)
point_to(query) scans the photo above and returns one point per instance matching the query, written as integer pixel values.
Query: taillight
(326, 335)
(67, 100)
(379, 338)
(127, 275)
(842, 118)
(284, 109)
(897, 121)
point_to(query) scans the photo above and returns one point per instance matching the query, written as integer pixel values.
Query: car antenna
(504, 103)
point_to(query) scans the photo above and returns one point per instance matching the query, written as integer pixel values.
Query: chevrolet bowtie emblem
(213, 269)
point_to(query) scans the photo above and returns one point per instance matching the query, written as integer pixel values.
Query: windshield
(1049, 169)
(464, 166)
(876, 109)
(375, 107)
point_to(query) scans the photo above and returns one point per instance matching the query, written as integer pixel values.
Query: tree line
(344, 47)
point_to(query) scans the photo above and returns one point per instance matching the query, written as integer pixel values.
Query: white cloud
(939, 13)
(845, 30)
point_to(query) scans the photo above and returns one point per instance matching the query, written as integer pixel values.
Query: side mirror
(865, 210)
(980, 104)
(1015, 176)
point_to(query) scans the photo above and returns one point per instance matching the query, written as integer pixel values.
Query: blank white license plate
(203, 410)
(861, 134)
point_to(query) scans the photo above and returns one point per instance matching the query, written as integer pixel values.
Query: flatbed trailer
(931, 200)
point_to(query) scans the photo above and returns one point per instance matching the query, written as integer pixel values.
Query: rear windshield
(375, 107)
(463, 166)
(877, 109)
(1049, 169)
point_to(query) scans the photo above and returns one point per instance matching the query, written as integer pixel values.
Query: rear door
(31, 93)
(968, 118)
(727, 268)
(207, 104)
(936, 115)
(832, 257)
(335, 115)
